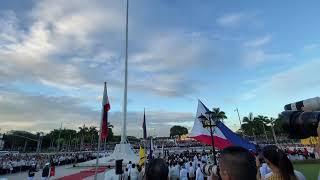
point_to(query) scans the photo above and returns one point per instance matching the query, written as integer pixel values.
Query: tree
(253, 125)
(83, 132)
(277, 125)
(178, 131)
(219, 115)
(110, 132)
(247, 124)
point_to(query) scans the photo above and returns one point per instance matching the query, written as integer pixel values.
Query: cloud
(62, 47)
(255, 57)
(296, 83)
(23, 111)
(30, 112)
(258, 41)
(311, 47)
(231, 20)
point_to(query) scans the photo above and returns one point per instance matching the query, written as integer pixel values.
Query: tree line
(57, 139)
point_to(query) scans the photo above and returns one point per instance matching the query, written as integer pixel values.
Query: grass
(310, 169)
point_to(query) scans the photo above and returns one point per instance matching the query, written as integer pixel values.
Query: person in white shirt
(199, 174)
(126, 174)
(171, 171)
(134, 173)
(187, 165)
(183, 173)
(175, 171)
(191, 172)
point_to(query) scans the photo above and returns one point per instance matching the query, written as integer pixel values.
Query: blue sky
(55, 56)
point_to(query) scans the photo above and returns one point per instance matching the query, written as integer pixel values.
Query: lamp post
(205, 122)
(239, 119)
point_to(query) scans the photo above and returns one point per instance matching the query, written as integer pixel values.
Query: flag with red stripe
(105, 109)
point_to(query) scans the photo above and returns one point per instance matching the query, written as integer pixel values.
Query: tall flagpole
(124, 125)
(99, 139)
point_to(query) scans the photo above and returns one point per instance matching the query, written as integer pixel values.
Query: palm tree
(248, 124)
(93, 132)
(83, 132)
(219, 115)
(262, 121)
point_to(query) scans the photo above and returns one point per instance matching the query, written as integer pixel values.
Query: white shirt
(170, 171)
(129, 167)
(183, 174)
(191, 171)
(199, 175)
(264, 170)
(187, 165)
(134, 174)
(176, 171)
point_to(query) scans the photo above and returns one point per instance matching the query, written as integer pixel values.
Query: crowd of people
(13, 163)
(270, 162)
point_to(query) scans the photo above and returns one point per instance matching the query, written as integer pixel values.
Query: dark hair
(239, 162)
(157, 169)
(279, 159)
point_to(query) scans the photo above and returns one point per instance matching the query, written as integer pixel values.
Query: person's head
(277, 160)
(157, 169)
(237, 163)
(190, 163)
(129, 162)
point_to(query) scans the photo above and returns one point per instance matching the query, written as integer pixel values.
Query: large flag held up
(223, 136)
(105, 109)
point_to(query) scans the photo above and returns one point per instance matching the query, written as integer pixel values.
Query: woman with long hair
(280, 165)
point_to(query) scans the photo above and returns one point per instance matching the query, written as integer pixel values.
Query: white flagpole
(99, 141)
(124, 125)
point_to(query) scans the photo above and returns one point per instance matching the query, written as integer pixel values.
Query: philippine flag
(105, 109)
(223, 136)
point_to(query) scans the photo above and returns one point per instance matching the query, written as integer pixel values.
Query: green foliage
(178, 131)
(255, 125)
(66, 138)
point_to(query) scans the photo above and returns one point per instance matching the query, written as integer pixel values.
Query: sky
(256, 56)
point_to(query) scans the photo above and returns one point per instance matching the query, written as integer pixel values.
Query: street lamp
(239, 120)
(207, 123)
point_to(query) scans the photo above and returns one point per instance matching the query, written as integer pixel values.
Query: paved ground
(62, 172)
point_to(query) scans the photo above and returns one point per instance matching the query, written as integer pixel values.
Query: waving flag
(144, 126)
(223, 136)
(105, 109)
